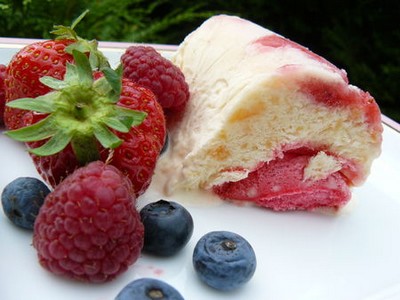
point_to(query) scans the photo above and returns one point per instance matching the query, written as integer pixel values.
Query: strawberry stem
(96, 57)
(85, 149)
(81, 111)
(68, 32)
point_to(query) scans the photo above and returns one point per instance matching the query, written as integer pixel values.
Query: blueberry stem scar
(155, 294)
(228, 245)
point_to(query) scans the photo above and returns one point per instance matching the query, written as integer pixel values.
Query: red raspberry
(2, 91)
(144, 65)
(88, 228)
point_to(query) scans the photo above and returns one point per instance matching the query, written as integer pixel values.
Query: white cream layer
(245, 109)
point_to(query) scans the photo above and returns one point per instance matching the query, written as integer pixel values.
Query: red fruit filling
(340, 95)
(329, 94)
(280, 185)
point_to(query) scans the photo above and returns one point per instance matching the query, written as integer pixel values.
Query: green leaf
(119, 70)
(70, 76)
(43, 104)
(122, 125)
(102, 86)
(54, 145)
(64, 32)
(79, 18)
(114, 78)
(53, 83)
(36, 132)
(137, 116)
(128, 121)
(81, 46)
(83, 67)
(106, 138)
(94, 60)
(68, 32)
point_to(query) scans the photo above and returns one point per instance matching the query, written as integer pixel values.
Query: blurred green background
(362, 37)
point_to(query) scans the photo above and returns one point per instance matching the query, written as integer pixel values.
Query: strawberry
(48, 57)
(88, 228)
(2, 91)
(93, 116)
(25, 69)
(138, 154)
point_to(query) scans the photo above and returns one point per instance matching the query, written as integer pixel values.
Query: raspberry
(145, 66)
(88, 228)
(2, 91)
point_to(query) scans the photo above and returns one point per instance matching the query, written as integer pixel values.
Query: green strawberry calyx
(96, 57)
(81, 111)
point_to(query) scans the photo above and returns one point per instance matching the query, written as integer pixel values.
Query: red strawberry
(90, 117)
(138, 154)
(2, 91)
(147, 67)
(88, 228)
(24, 70)
(42, 58)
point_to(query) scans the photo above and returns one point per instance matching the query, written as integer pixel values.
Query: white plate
(301, 255)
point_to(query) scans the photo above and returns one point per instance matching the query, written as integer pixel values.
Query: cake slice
(268, 121)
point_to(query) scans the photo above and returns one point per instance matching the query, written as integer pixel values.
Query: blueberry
(21, 200)
(168, 227)
(148, 289)
(224, 260)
